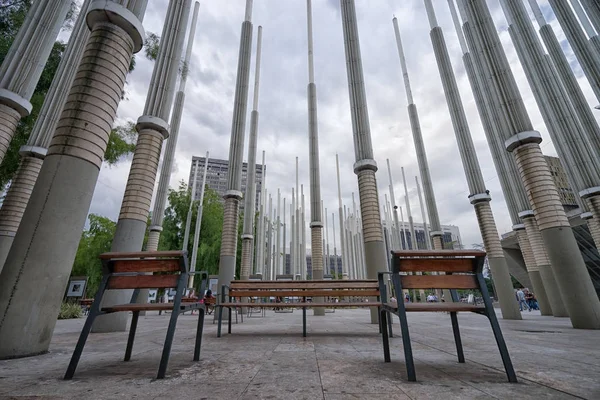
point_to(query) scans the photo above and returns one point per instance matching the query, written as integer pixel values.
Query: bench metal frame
(177, 308)
(400, 310)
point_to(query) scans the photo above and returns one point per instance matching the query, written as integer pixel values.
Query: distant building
(567, 197)
(451, 238)
(216, 177)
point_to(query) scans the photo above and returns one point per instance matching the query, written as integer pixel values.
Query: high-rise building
(451, 235)
(567, 197)
(216, 177)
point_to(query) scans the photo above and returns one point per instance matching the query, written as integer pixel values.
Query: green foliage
(151, 45)
(96, 240)
(209, 246)
(121, 142)
(69, 310)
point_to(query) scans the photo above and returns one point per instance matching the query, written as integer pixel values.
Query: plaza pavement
(267, 358)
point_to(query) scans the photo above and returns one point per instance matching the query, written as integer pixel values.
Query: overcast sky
(206, 124)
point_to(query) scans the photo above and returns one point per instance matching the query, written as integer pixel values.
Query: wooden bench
(463, 270)
(144, 270)
(238, 291)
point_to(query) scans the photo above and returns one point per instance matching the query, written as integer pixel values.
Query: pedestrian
(521, 300)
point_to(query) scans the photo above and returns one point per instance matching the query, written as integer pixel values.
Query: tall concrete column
(327, 266)
(303, 236)
(365, 165)
(521, 140)
(250, 195)
(434, 218)
(316, 217)
(396, 229)
(24, 63)
(588, 59)
(236, 149)
(269, 240)
(44, 248)
(33, 153)
(152, 129)
(572, 140)
(581, 107)
(277, 259)
(299, 262)
(512, 186)
(167, 165)
(423, 216)
(592, 8)
(335, 257)
(411, 224)
(343, 249)
(293, 234)
(188, 219)
(196, 240)
(260, 229)
(533, 270)
(478, 194)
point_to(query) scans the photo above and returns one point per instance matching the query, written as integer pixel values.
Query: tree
(96, 240)
(209, 246)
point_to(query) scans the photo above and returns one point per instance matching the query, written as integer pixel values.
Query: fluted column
(572, 140)
(434, 218)
(44, 248)
(34, 152)
(250, 195)
(162, 191)
(478, 194)
(343, 249)
(316, 219)
(521, 140)
(152, 128)
(592, 8)
(24, 63)
(588, 59)
(365, 165)
(236, 150)
(493, 123)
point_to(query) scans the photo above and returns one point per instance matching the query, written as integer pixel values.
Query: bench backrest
(460, 268)
(137, 270)
(333, 288)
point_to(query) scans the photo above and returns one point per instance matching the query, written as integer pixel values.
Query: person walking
(521, 300)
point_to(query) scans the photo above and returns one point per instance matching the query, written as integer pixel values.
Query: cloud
(206, 124)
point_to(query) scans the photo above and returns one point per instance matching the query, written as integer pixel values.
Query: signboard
(76, 287)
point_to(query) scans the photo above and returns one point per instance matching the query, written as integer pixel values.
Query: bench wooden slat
(142, 254)
(439, 282)
(430, 265)
(143, 282)
(304, 285)
(303, 293)
(146, 307)
(438, 253)
(299, 305)
(426, 307)
(146, 265)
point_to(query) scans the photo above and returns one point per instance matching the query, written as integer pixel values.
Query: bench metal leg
(303, 321)
(231, 310)
(457, 340)
(134, 321)
(384, 333)
(87, 327)
(199, 334)
(410, 364)
(390, 323)
(220, 320)
(164, 360)
(510, 372)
